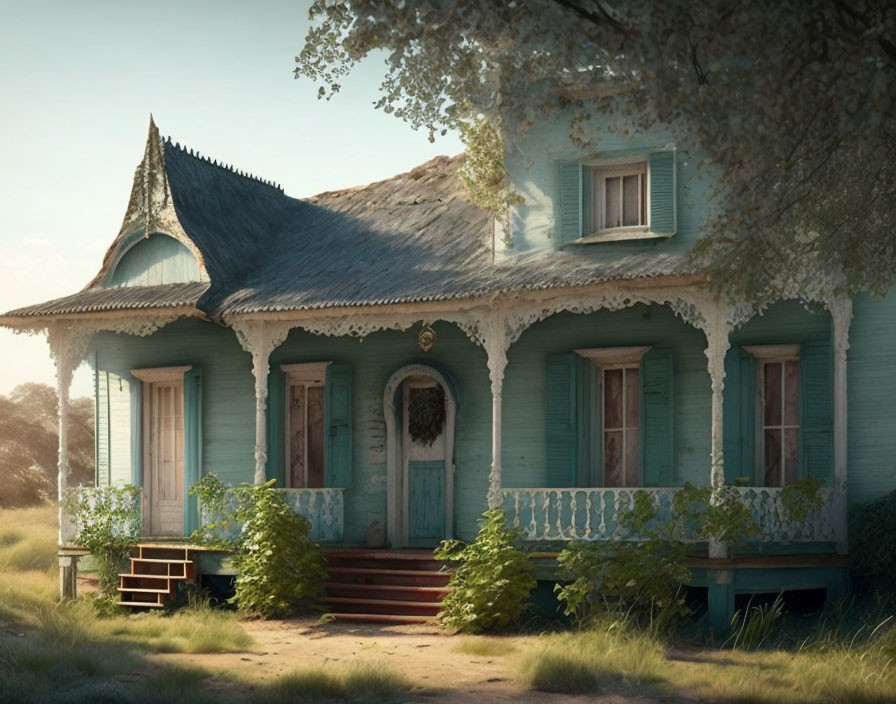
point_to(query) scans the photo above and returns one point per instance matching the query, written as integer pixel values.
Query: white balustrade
(121, 509)
(595, 514)
(324, 509)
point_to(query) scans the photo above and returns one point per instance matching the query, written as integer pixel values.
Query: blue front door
(424, 461)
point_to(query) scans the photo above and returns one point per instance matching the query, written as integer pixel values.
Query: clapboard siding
(871, 380)
(525, 388)
(535, 170)
(373, 361)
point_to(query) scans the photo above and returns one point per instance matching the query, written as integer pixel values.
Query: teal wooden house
(398, 368)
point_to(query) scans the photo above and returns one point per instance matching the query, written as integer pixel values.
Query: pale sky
(78, 81)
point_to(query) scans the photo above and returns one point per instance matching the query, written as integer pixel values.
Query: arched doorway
(419, 405)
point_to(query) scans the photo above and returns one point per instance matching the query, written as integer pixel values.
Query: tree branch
(601, 17)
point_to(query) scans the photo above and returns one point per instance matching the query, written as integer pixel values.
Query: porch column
(841, 317)
(68, 346)
(496, 345)
(717, 330)
(259, 338)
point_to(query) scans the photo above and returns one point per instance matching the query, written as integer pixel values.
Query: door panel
(165, 455)
(427, 503)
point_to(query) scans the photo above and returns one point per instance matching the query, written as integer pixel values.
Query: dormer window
(613, 197)
(620, 197)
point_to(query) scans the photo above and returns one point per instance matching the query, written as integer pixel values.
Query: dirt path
(422, 654)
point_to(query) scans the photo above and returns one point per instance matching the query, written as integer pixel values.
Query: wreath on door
(426, 413)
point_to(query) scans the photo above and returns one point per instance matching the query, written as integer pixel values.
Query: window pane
(772, 393)
(632, 398)
(613, 398)
(772, 458)
(296, 476)
(791, 455)
(315, 437)
(631, 192)
(631, 458)
(791, 386)
(613, 202)
(613, 458)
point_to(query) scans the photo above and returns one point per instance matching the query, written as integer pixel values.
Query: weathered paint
(228, 395)
(426, 520)
(871, 380)
(158, 259)
(536, 172)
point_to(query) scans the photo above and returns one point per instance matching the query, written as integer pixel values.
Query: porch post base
(68, 577)
(720, 602)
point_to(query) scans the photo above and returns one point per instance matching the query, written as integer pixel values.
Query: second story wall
(656, 181)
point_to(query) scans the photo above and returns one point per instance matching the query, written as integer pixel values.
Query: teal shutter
(657, 418)
(817, 411)
(136, 431)
(584, 421)
(275, 418)
(587, 206)
(570, 200)
(338, 426)
(663, 186)
(563, 441)
(739, 414)
(192, 444)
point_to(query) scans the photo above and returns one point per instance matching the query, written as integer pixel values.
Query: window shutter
(562, 441)
(276, 413)
(739, 413)
(136, 431)
(657, 418)
(663, 186)
(192, 444)
(101, 427)
(570, 199)
(817, 411)
(338, 426)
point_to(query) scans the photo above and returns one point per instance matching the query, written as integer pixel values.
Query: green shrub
(280, 570)
(492, 581)
(873, 541)
(108, 524)
(642, 581)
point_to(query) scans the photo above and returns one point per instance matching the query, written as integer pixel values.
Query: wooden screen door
(163, 479)
(424, 467)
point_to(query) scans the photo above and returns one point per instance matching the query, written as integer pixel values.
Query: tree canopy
(29, 438)
(791, 104)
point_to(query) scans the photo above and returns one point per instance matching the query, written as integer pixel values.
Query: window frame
(307, 374)
(599, 176)
(774, 354)
(606, 359)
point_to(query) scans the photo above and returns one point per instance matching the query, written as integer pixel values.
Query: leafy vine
(485, 174)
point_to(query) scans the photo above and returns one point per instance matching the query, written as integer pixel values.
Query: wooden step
(387, 591)
(161, 561)
(379, 575)
(380, 618)
(384, 606)
(143, 590)
(142, 604)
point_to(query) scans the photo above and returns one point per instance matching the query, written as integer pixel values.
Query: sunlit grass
(617, 660)
(601, 659)
(484, 646)
(314, 684)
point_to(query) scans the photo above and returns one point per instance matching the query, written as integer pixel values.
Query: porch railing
(560, 514)
(123, 509)
(323, 508)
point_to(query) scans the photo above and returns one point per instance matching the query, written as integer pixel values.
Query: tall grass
(609, 657)
(359, 682)
(28, 576)
(860, 667)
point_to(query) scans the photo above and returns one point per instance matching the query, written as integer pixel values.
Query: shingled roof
(410, 238)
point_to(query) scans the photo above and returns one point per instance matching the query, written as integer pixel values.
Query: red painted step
(388, 586)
